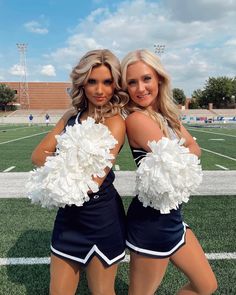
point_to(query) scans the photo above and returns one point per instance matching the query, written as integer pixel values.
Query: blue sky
(199, 36)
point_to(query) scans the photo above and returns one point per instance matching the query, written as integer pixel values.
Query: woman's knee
(210, 287)
(62, 287)
(102, 290)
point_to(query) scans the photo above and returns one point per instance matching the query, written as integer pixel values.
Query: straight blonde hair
(167, 111)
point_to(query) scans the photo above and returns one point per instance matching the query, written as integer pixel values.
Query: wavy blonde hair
(167, 110)
(80, 75)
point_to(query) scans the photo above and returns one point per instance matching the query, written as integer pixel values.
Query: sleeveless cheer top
(149, 232)
(95, 229)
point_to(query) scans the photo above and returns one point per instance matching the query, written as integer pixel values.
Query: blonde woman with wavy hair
(91, 236)
(156, 233)
(80, 76)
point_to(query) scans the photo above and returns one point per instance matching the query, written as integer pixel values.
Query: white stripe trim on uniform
(135, 159)
(92, 250)
(77, 118)
(140, 151)
(156, 253)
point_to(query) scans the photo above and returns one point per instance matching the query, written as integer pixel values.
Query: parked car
(209, 120)
(220, 118)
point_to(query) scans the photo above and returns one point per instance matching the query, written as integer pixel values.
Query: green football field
(17, 142)
(25, 229)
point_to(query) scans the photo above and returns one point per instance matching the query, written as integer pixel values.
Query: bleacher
(21, 116)
(188, 115)
(208, 115)
(225, 112)
(197, 112)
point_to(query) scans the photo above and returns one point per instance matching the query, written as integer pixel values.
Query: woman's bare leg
(101, 279)
(146, 274)
(65, 276)
(191, 260)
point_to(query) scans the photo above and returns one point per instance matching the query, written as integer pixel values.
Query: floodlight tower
(159, 49)
(24, 90)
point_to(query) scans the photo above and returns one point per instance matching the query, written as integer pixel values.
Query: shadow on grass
(34, 279)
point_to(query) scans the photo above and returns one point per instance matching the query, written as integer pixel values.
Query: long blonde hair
(167, 110)
(80, 75)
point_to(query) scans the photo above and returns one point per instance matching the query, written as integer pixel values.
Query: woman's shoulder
(141, 123)
(70, 113)
(116, 125)
(116, 119)
(137, 117)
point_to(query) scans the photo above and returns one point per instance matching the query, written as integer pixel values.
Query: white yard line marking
(117, 167)
(203, 131)
(13, 129)
(221, 167)
(9, 169)
(46, 260)
(218, 154)
(219, 256)
(24, 261)
(217, 139)
(4, 142)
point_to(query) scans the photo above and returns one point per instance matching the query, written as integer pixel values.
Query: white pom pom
(167, 175)
(65, 179)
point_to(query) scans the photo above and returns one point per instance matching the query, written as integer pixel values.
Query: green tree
(7, 95)
(179, 96)
(197, 99)
(218, 91)
(233, 94)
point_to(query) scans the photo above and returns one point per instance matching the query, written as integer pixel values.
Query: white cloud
(199, 37)
(48, 70)
(231, 42)
(17, 70)
(200, 10)
(35, 27)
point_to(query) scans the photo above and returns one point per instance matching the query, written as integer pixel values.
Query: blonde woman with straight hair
(92, 236)
(157, 236)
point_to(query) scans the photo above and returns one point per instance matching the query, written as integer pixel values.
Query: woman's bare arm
(48, 144)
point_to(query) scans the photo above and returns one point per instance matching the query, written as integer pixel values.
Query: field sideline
(26, 229)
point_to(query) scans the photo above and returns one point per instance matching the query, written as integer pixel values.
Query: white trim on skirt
(92, 250)
(156, 253)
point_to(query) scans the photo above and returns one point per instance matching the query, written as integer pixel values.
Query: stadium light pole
(159, 49)
(24, 89)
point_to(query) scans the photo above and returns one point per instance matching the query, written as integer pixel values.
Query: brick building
(45, 95)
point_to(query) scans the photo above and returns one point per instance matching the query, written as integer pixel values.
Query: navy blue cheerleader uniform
(149, 232)
(96, 228)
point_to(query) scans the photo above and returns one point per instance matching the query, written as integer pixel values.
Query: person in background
(154, 238)
(47, 119)
(90, 237)
(31, 118)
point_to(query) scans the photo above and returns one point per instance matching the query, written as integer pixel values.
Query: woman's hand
(47, 146)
